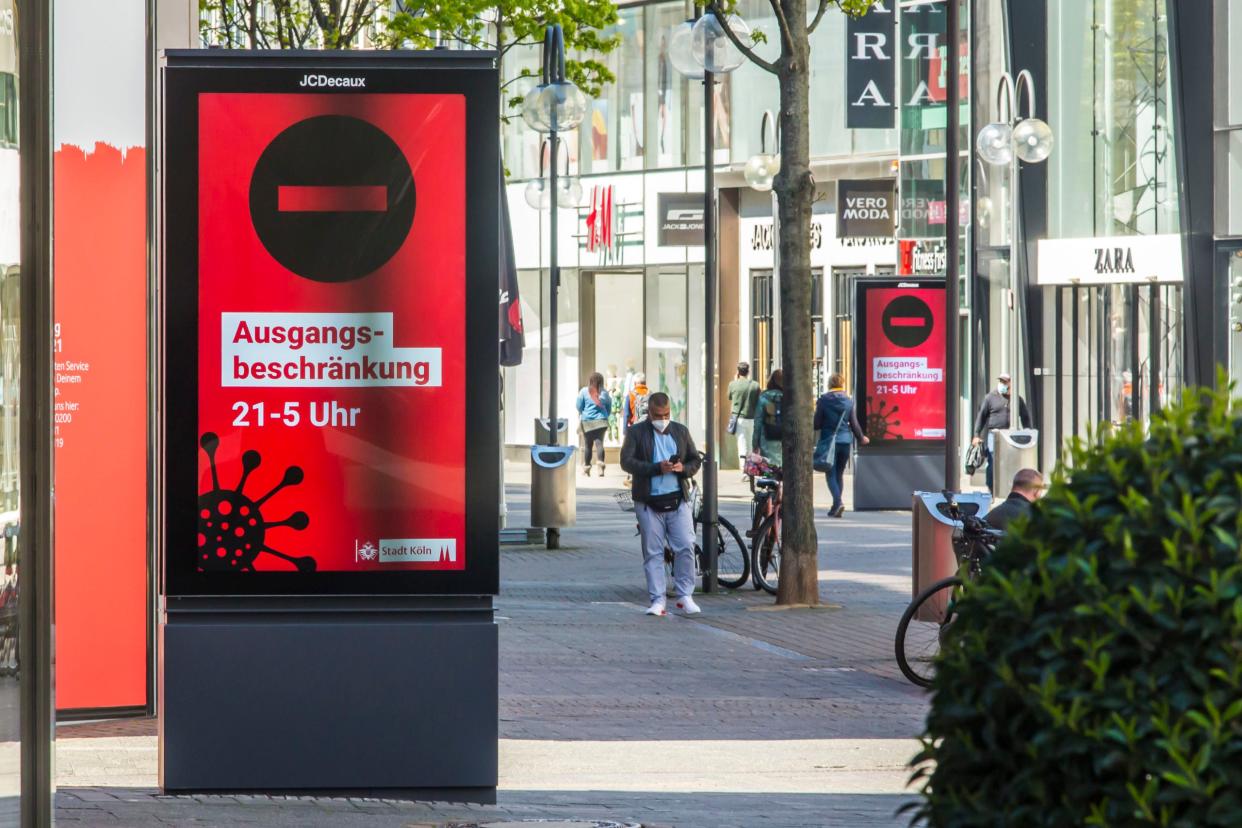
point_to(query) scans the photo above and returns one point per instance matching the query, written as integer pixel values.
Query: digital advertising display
(341, 266)
(901, 360)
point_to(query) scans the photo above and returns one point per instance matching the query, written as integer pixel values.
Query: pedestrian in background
(743, 399)
(993, 414)
(594, 407)
(836, 419)
(634, 409)
(1028, 486)
(661, 457)
(769, 421)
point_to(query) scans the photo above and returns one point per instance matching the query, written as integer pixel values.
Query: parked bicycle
(923, 625)
(765, 533)
(732, 558)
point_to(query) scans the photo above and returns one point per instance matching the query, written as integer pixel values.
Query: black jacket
(994, 413)
(639, 447)
(1008, 511)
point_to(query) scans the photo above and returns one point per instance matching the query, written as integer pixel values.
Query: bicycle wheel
(922, 628)
(732, 557)
(765, 559)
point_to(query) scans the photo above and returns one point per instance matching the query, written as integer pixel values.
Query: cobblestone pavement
(743, 716)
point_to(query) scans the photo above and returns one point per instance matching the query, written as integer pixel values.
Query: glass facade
(1113, 351)
(634, 304)
(1113, 172)
(10, 384)
(651, 117)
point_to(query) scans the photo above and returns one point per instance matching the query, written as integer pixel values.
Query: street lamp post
(1007, 141)
(701, 49)
(552, 106)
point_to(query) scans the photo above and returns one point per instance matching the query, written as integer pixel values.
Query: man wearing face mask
(661, 457)
(994, 413)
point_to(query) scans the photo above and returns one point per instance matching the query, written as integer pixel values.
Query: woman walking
(769, 426)
(594, 408)
(836, 420)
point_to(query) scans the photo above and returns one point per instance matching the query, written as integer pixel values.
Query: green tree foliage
(421, 24)
(1093, 676)
(503, 25)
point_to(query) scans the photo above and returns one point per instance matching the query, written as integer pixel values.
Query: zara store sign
(1111, 260)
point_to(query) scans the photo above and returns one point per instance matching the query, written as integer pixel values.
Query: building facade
(1129, 243)
(631, 294)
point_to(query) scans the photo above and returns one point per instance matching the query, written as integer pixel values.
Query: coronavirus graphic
(231, 528)
(881, 424)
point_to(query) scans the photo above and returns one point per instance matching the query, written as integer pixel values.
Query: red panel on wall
(101, 428)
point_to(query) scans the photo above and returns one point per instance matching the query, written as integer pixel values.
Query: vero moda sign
(865, 209)
(870, 86)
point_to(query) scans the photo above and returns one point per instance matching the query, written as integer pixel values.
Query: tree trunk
(795, 189)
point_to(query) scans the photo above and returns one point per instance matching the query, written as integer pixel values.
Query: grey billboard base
(393, 696)
(884, 479)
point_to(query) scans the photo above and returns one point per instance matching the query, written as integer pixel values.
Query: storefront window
(668, 358)
(666, 91)
(1113, 171)
(520, 143)
(1229, 120)
(612, 335)
(613, 133)
(754, 90)
(923, 83)
(10, 382)
(631, 112)
(1233, 88)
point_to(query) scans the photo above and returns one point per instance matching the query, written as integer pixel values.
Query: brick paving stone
(580, 665)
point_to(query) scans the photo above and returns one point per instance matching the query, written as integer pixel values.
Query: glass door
(611, 336)
(761, 325)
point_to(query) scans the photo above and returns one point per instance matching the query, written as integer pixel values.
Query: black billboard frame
(903, 446)
(185, 75)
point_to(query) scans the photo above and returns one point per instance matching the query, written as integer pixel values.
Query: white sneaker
(656, 608)
(687, 605)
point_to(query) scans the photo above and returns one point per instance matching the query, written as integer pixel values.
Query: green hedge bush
(1093, 675)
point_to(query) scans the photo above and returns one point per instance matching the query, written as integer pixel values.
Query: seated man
(1028, 485)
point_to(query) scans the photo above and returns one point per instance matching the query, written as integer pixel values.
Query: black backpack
(774, 429)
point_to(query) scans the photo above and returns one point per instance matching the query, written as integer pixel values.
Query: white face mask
(660, 425)
(1003, 388)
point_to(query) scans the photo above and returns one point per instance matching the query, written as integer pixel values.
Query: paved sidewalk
(743, 716)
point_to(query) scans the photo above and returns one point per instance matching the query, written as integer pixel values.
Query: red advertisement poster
(332, 332)
(102, 556)
(903, 362)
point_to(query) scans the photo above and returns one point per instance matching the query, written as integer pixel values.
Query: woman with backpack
(768, 424)
(836, 420)
(594, 409)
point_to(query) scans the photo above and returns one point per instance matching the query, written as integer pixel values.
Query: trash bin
(562, 431)
(1012, 451)
(553, 495)
(932, 555)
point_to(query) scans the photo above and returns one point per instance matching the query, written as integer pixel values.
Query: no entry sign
(331, 273)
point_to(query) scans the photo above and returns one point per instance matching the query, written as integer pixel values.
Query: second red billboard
(901, 359)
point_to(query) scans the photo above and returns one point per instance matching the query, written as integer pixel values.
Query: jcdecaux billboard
(330, 276)
(901, 360)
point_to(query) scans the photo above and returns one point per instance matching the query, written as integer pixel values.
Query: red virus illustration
(881, 422)
(231, 528)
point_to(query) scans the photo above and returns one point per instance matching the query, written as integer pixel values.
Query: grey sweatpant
(674, 530)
